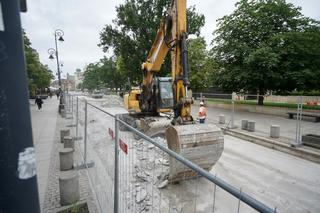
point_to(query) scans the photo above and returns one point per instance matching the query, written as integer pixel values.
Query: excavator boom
(200, 143)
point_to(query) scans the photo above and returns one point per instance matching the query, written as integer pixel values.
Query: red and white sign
(123, 146)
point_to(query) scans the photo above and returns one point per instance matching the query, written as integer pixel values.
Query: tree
(200, 63)
(134, 30)
(39, 75)
(108, 72)
(267, 45)
(92, 77)
(112, 72)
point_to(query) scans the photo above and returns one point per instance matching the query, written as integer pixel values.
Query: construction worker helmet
(201, 103)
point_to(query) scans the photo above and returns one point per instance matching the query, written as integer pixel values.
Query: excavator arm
(200, 143)
(171, 36)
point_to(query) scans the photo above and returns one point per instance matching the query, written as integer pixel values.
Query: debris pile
(150, 174)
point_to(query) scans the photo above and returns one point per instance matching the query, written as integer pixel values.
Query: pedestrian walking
(58, 94)
(50, 94)
(202, 113)
(39, 102)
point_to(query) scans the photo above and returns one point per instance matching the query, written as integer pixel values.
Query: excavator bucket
(200, 143)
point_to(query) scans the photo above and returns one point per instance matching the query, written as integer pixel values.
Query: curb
(300, 152)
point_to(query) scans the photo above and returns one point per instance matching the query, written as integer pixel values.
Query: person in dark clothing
(58, 94)
(39, 102)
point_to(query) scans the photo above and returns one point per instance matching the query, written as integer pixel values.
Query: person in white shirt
(202, 113)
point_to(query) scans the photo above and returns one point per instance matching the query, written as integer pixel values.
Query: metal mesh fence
(145, 185)
(143, 168)
(277, 119)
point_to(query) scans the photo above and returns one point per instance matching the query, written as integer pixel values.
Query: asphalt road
(275, 178)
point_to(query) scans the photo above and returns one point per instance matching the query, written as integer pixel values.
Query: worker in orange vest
(202, 113)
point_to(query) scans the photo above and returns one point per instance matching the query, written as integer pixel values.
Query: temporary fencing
(129, 171)
(286, 119)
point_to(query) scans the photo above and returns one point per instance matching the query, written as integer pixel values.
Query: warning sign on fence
(123, 146)
(111, 133)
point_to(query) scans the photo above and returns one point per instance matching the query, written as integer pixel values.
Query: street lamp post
(57, 37)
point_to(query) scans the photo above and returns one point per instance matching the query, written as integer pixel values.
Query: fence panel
(143, 168)
(145, 186)
(276, 119)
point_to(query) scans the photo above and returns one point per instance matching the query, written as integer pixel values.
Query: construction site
(282, 178)
(163, 122)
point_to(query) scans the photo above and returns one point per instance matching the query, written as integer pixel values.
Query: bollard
(274, 131)
(69, 187)
(244, 124)
(66, 159)
(222, 119)
(251, 126)
(64, 133)
(68, 142)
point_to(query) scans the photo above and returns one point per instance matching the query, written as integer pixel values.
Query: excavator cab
(165, 93)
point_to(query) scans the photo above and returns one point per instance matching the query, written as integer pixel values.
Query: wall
(280, 111)
(291, 99)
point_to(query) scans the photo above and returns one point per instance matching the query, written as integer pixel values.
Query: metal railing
(132, 166)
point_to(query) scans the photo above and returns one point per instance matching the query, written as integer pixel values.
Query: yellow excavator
(200, 143)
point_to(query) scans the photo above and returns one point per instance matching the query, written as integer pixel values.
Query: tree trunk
(260, 100)
(261, 97)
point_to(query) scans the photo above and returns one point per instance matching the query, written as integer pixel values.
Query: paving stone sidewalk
(47, 124)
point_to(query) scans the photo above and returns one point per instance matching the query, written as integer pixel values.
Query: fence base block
(83, 166)
(71, 125)
(64, 133)
(77, 138)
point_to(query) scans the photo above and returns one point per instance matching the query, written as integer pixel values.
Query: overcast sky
(82, 21)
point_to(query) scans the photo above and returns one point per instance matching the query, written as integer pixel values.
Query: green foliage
(108, 72)
(201, 65)
(134, 30)
(267, 45)
(39, 75)
(80, 86)
(92, 77)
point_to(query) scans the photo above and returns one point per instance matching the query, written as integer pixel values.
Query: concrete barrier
(64, 133)
(66, 159)
(274, 131)
(222, 119)
(244, 124)
(68, 142)
(69, 187)
(251, 126)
